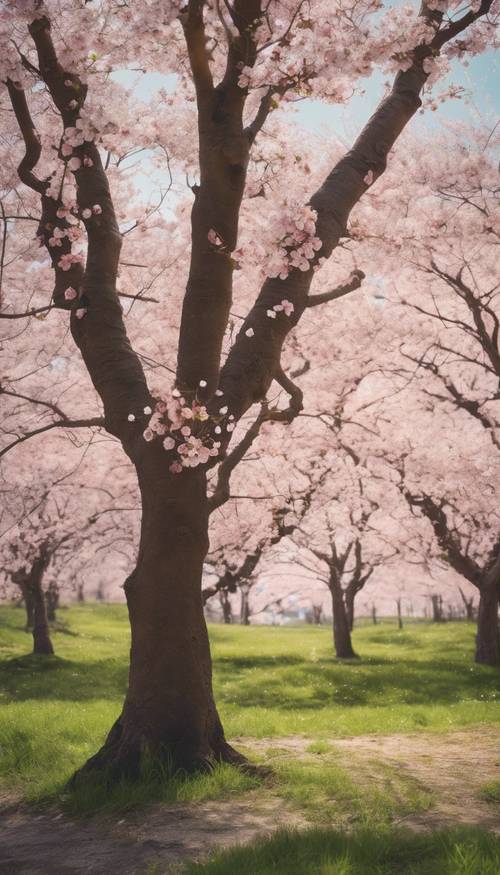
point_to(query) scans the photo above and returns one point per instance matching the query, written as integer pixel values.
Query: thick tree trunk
(487, 638)
(341, 632)
(80, 593)
(41, 636)
(374, 615)
(169, 711)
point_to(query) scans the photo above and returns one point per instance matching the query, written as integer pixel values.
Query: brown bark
(437, 609)
(169, 709)
(42, 643)
(225, 603)
(30, 582)
(245, 604)
(468, 604)
(488, 634)
(317, 611)
(341, 632)
(400, 616)
(29, 606)
(349, 596)
(52, 601)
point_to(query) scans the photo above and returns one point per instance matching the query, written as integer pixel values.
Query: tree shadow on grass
(293, 683)
(366, 852)
(54, 678)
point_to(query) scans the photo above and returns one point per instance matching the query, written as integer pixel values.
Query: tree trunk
(169, 710)
(29, 606)
(487, 638)
(374, 615)
(349, 607)
(341, 632)
(41, 636)
(80, 593)
(52, 601)
(225, 603)
(245, 606)
(468, 604)
(437, 609)
(317, 611)
(400, 618)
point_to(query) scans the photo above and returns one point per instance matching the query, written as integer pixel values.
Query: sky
(480, 104)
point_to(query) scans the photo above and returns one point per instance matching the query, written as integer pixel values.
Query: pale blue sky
(480, 79)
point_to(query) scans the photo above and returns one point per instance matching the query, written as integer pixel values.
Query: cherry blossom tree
(237, 62)
(444, 267)
(471, 545)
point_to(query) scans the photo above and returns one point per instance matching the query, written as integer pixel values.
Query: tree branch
(353, 283)
(63, 423)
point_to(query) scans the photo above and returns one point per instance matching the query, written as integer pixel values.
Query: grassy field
(270, 683)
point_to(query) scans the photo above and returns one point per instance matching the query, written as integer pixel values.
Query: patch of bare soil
(452, 767)
(52, 844)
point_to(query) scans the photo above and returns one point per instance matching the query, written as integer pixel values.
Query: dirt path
(51, 844)
(452, 766)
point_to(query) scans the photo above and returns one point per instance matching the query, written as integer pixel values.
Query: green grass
(327, 793)
(365, 852)
(157, 784)
(56, 711)
(490, 792)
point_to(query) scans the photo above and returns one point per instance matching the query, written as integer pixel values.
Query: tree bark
(245, 605)
(374, 615)
(29, 606)
(317, 611)
(41, 636)
(487, 637)
(400, 618)
(169, 711)
(225, 603)
(468, 604)
(437, 609)
(52, 601)
(349, 596)
(341, 632)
